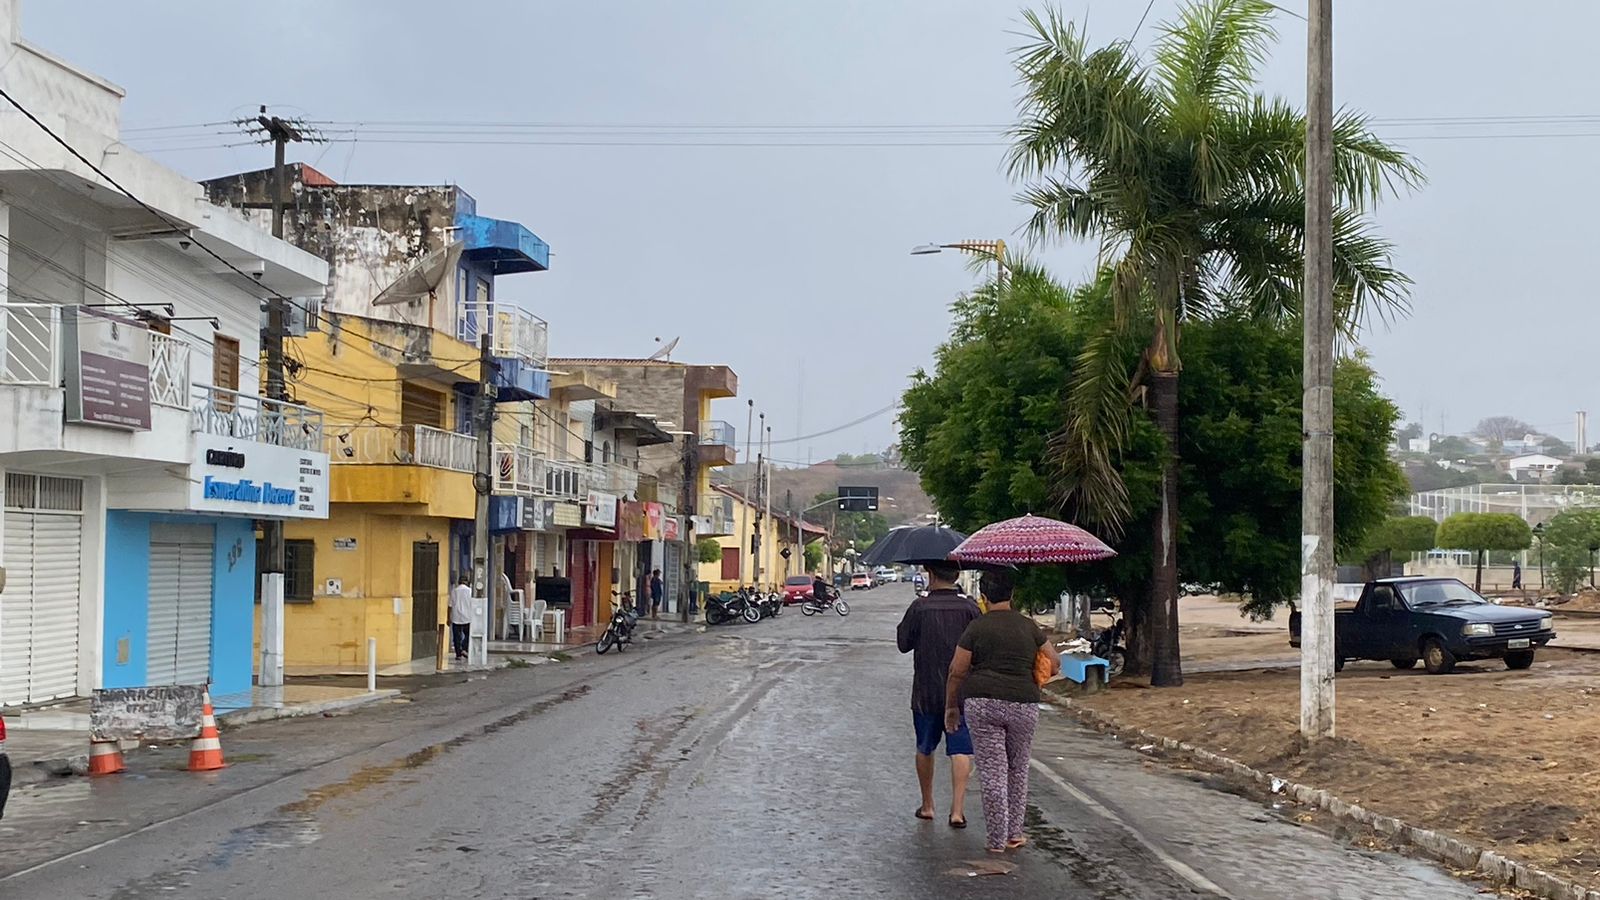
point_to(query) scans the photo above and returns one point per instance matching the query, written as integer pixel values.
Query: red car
(796, 589)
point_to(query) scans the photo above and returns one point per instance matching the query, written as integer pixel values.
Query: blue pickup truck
(1437, 620)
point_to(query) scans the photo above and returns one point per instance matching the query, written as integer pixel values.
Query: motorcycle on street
(729, 607)
(833, 601)
(619, 632)
(1107, 644)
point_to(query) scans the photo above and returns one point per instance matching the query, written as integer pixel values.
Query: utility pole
(281, 133)
(1316, 503)
(745, 501)
(759, 489)
(483, 483)
(766, 490)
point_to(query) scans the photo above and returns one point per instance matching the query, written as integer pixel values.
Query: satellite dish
(666, 351)
(423, 278)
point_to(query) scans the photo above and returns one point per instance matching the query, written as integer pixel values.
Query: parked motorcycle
(728, 607)
(1107, 644)
(770, 603)
(619, 631)
(833, 601)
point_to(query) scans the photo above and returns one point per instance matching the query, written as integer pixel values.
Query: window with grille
(299, 570)
(43, 493)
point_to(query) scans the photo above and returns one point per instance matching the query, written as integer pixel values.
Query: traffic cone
(105, 757)
(205, 752)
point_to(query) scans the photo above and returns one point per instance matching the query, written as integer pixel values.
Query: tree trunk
(1166, 669)
(1137, 638)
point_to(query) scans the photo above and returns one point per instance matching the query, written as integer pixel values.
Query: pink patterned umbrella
(1031, 540)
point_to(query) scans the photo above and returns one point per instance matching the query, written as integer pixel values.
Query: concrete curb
(268, 713)
(1493, 866)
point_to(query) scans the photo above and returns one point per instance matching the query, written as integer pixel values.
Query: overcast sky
(791, 264)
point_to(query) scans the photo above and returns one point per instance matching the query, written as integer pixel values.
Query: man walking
(929, 631)
(1516, 575)
(657, 588)
(461, 617)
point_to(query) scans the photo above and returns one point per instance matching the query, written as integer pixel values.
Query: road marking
(1179, 867)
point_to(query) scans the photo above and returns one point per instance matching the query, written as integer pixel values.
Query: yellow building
(779, 532)
(391, 356)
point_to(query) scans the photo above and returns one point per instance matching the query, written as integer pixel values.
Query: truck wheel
(1519, 659)
(1437, 657)
(1409, 662)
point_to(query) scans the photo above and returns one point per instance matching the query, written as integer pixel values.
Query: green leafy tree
(1566, 543)
(708, 550)
(1191, 184)
(1480, 532)
(814, 556)
(977, 431)
(1411, 432)
(1397, 534)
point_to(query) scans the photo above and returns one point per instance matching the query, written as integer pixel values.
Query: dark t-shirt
(1003, 645)
(929, 630)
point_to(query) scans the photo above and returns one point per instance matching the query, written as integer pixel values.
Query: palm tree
(1191, 182)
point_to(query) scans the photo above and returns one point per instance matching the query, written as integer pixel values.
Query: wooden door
(424, 599)
(730, 564)
(225, 370)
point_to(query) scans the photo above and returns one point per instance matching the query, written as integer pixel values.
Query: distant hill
(805, 483)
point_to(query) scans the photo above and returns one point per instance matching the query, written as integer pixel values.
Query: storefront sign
(505, 514)
(166, 713)
(671, 528)
(246, 478)
(533, 515)
(630, 524)
(600, 510)
(566, 515)
(107, 364)
(652, 521)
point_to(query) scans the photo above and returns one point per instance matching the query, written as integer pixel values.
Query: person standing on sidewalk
(994, 663)
(657, 588)
(929, 630)
(461, 617)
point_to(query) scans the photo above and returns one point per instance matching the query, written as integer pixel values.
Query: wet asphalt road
(750, 761)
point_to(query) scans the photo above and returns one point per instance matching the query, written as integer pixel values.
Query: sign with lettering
(228, 475)
(600, 510)
(671, 528)
(107, 369)
(566, 515)
(348, 543)
(166, 713)
(533, 515)
(652, 521)
(630, 522)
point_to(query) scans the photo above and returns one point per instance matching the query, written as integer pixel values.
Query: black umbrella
(913, 544)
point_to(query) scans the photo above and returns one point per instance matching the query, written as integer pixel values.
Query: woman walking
(993, 670)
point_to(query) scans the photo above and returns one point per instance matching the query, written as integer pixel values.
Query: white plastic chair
(515, 624)
(536, 618)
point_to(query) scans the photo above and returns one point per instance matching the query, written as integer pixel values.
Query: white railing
(719, 509)
(518, 470)
(516, 333)
(248, 417)
(404, 445)
(566, 480)
(30, 344)
(169, 371)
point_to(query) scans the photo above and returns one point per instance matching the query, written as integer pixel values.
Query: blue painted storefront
(127, 598)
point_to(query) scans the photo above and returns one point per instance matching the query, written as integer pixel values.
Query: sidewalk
(54, 741)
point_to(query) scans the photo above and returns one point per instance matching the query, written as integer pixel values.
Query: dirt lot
(1509, 760)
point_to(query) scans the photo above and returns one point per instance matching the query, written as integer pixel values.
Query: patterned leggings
(1002, 740)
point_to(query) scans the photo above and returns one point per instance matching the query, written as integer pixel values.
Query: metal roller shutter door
(179, 648)
(39, 610)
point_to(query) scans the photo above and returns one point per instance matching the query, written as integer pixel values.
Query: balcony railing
(719, 509)
(406, 445)
(516, 333)
(220, 411)
(518, 470)
(566, 480)
(30, 344)
(718, 434)
(169, 371)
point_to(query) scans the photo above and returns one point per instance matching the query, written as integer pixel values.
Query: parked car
(796, 588)
(1437, 620)
(5, 770)
(861, 581)
(886, 575)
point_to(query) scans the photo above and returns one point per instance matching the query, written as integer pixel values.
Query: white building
(1532, 466)
(135, 454)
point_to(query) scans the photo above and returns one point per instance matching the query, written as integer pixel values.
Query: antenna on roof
(665, 353)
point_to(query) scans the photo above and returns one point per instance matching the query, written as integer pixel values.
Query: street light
(995, 250)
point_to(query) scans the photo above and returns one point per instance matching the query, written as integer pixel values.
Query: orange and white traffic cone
(105, 757)
(205, 752)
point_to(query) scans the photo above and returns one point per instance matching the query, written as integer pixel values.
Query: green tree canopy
(1567, 539)
(977, 431)
(814, 556)
(1404, 534)
(1478, 532)
(708, 550)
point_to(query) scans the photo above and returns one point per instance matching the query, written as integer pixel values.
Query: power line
(851, 424)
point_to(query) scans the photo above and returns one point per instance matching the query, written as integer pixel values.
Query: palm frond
(1062, 208)
(1365, 168)
(1366, 283)
(1208, 58)
(1087, 449)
